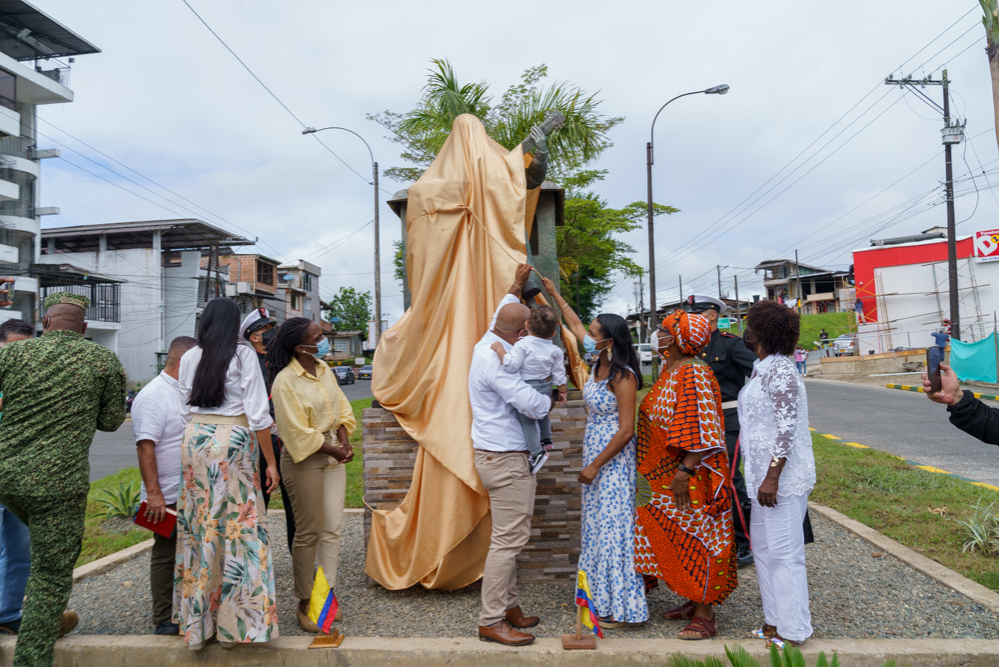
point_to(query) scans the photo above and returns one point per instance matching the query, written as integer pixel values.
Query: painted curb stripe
(907, 387)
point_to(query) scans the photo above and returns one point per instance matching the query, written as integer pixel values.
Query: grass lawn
(355, 483)
(834, 324)
(98, 542)
(894, 498)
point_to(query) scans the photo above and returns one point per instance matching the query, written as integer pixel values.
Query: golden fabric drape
(465, 237)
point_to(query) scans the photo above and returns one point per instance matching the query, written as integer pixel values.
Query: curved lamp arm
(312, 130)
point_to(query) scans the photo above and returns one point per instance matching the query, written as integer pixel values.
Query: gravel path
(855, 593)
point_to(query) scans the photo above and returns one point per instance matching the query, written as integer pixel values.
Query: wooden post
(579, 622)
(578, 641)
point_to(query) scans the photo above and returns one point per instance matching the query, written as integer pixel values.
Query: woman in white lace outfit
(779, 469)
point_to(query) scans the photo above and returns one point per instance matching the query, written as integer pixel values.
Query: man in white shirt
(159, 434)
(497, 395)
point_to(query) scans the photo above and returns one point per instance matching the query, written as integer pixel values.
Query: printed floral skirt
(224, 578)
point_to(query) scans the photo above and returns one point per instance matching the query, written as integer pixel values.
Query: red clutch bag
(164, 527)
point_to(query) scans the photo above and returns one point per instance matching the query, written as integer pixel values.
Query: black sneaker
(744, 557)
(547, 444)
(167, 629)
(535, 461)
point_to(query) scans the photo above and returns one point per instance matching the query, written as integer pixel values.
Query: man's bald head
(511, 322)
(65, 317)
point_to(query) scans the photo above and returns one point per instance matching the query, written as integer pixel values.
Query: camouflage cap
(66, 297)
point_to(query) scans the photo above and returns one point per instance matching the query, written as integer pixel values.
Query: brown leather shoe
(502, 633)
(68, 622)
(516, 618)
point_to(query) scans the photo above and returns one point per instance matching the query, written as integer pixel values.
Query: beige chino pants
(511, 487)
(316, 488)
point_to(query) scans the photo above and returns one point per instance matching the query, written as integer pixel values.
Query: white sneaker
(535, 461)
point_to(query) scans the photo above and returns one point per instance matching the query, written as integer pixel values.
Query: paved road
(903, 423)
(110, 452)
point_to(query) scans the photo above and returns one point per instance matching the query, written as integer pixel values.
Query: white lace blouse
(773, 419)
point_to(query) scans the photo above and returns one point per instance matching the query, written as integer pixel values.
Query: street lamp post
(715, 90)
(378, 267)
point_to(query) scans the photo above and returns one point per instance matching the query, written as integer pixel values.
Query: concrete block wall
(553, 551)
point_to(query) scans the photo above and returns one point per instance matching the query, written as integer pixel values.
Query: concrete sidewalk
(116, 651)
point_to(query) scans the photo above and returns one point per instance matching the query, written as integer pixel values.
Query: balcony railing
(17, 208)
(18, 147)
(105, 300)
(59, 74)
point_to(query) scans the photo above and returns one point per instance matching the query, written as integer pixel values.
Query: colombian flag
(323, 604)
(590, 619)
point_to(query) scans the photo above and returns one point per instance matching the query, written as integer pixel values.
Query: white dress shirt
(245, 392)
(536, 359)
(497, 395)
(773, 416)
(156, 416)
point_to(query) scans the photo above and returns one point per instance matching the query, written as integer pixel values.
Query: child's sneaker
(535, 461)
(547, 444)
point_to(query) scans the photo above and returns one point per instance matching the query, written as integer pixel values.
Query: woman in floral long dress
(608, 478)
(684, 533)
(224, 578)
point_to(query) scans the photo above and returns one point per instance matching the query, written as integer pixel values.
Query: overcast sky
(165, 98)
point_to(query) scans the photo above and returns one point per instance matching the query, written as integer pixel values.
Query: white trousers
(779, 552)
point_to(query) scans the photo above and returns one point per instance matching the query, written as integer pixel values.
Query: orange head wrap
(690, 330)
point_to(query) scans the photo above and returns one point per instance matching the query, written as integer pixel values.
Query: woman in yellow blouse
(314, 421)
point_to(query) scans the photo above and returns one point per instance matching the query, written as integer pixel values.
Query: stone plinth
(552, 553)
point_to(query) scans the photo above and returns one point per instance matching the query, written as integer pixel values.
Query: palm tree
(423, 130)
(991, 21)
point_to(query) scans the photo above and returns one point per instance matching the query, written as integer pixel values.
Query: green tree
(991, 22)
(422, 131)
(588, 246)
(352, 310)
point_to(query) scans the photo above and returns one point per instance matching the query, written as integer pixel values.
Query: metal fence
(105, 300)
(18, 208)
(18, 147)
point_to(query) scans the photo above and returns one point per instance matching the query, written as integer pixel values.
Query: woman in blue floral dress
(608, 478)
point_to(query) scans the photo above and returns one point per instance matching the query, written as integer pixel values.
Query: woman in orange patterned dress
(683, 532)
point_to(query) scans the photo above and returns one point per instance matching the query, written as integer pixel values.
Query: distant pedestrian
(159, 433)
(58, 390)
(940, 339)
(780, 471)
(858, 308)
(314, 420)
(224, 577)
(257, 331)
(801, 360)
(823, 336)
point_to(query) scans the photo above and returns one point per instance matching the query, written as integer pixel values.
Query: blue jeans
(543, 429)
(15, 563)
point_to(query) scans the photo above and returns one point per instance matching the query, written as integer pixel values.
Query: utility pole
(378, 267)
(643, 331)
(719, 281)
(797, 275)
(738, 304)
(952, 133)
(681, 290)
(208, 274)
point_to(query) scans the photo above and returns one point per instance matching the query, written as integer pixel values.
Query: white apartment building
(33, 72)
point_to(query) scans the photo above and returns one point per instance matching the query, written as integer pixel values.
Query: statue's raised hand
(540, 140)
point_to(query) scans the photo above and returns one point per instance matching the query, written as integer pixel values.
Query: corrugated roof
(47, 38)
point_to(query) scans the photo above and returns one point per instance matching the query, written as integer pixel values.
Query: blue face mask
(322, 349)
(590, 345)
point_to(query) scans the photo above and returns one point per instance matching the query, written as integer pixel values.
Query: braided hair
(281, 349)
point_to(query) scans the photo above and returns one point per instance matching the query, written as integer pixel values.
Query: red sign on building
(987, 246)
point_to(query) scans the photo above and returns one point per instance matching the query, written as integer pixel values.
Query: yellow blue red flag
(322, 604)
(585, 599)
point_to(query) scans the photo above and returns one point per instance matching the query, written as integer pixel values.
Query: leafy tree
(352, 309)
(422, 131)
(587, 244)
(991, 22)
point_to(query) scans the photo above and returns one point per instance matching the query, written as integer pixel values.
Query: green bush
(739, 657)
(120, 502)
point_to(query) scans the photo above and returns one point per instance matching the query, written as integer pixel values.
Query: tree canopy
(352, 309)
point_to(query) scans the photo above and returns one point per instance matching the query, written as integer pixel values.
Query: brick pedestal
(552, 553)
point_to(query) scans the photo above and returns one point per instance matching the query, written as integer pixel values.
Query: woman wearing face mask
(780, 470)
(608, 478)
(314, 421)
(684, 533)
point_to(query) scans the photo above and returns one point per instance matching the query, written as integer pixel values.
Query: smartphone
(933, 367)
(9, 296)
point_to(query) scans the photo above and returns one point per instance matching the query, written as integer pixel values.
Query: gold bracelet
(564, 305)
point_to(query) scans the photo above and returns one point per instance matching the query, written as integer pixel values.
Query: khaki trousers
(317, 489)
(511, 488)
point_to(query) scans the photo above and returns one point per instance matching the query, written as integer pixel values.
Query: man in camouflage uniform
(58, 390)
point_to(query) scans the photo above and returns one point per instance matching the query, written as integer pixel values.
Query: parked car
(845, 346)
(365, 373)
(345, 374)
(644, 352)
